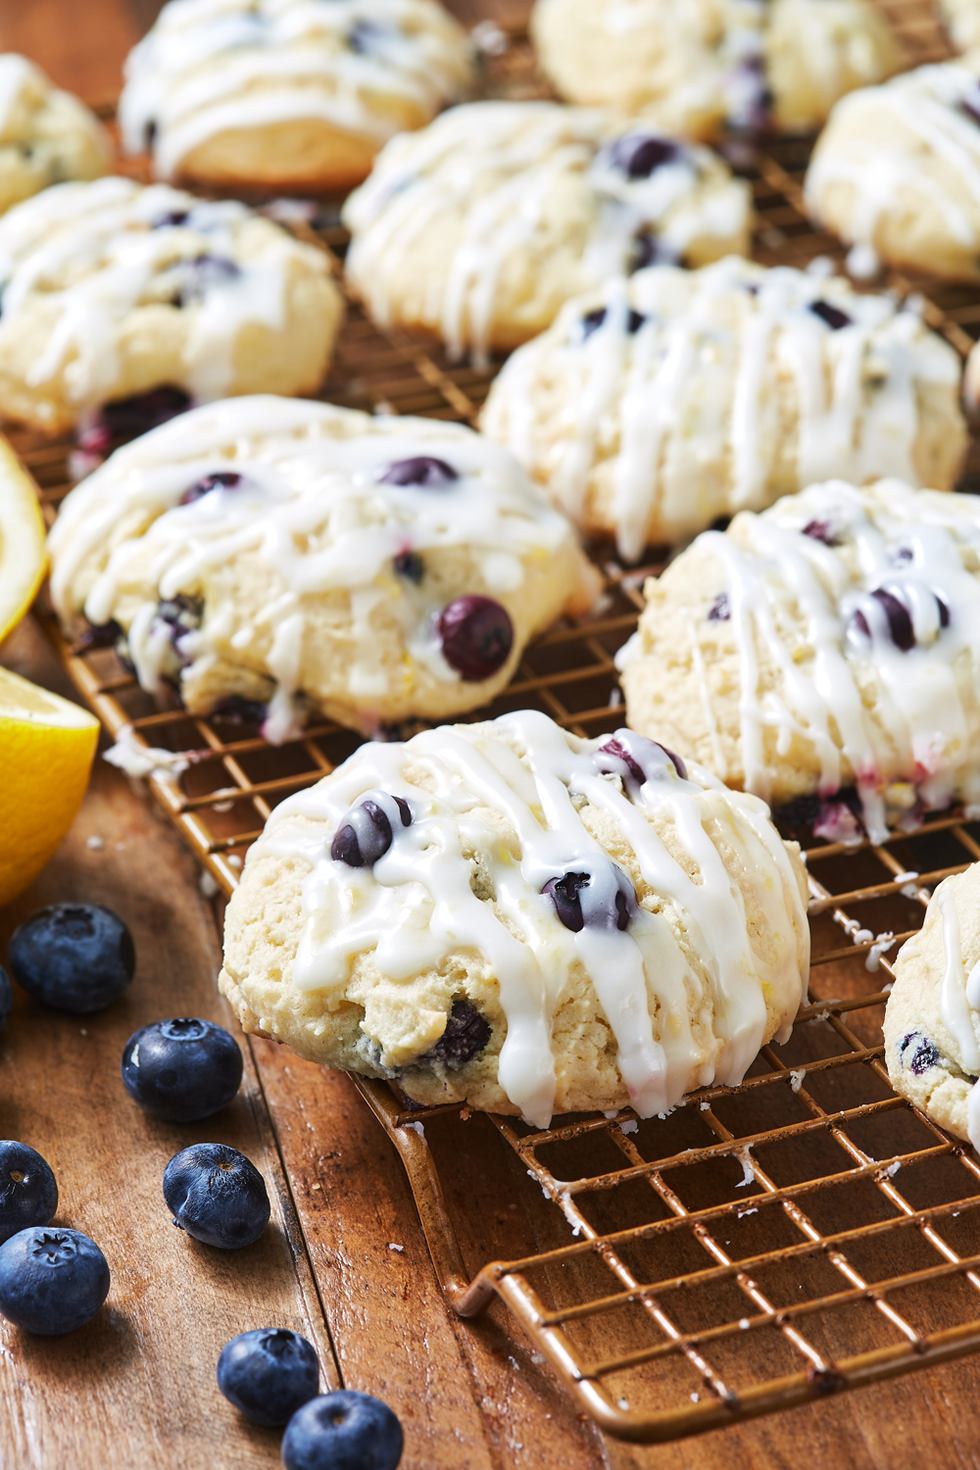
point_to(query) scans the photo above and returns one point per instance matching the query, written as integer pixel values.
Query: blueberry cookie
(507, 915)
(112, 291)
(896, 172)
(826, 650)
(962, 21)
(932, 1019)
(46, 135)
(480, 226)
(657, 404)
(697, 66)
(287, 95)
(309, 558)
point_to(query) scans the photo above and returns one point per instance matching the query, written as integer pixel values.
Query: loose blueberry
(220, 480)
(465, 1036)
(899, 619)
(925, 1053)
(268, 1374)
(720, 610)
(821, 531)
(78, 957)
(51, 1281)
(365, 833)
(593, 320)
(832, 315)
(409, 564)
(638, 157)
(128, 416)
(477, 636)
(216, 1195)
(199, 276)
(343, 1430)
(423, 470)
(602, 899)
(6, 997)
(28, 1189)
(181, 1070)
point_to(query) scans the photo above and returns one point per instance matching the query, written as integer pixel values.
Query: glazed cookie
(46, 136)
(962, 21)
(696, 66)
(287, 94)
(479, 227)
(827, 648)
(312, 558)
(507, 915)
(657, 404)
(932, 1019)
(896, 172)
(112, 291)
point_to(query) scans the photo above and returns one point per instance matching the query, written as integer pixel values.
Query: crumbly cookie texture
(695, 66)
(896, 172)
(932, 1019)
(962, 21)
(507, 915)
(654, 405)
(479, 227)
(311, 558)
(46, 135)
(829, 645)
(111, 290)
(288, 94)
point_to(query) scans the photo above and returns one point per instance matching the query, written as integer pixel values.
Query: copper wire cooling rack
(762, 1246)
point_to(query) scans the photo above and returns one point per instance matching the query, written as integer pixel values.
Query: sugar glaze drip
(678, 1025)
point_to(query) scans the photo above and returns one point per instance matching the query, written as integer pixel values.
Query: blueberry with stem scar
(216, 1195)
(28, 1188)
(476, 635)
(268, 1374)
(51, 1281)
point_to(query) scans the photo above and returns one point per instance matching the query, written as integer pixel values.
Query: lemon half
(46, 749)
(22, 553)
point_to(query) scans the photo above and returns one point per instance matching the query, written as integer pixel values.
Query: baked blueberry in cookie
(563, 923)
(294, 558)
(46, 135)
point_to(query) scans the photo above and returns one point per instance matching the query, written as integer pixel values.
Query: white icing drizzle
(92, 250)
(926, 103)
(688, 396)
(924, 726)
(210, 66)
(675, 1028)
(15, 73)
(507, 166)
(311, 508)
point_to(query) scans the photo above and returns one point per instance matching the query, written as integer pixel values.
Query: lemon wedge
(23, 558)
(46, 749)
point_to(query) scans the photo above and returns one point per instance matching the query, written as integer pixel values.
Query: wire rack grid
(762, 1246)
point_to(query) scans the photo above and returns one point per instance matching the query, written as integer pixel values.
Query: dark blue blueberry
(100, 635)
(466, 1035)
(235, 709)
(925, 1053)
(365, 833)
(51, 1281)
(182, 614)
(363, 37)
(970, 104)
(28, 1189)
(636, 758)
(172, 217)
(145, 411)
(6, 997)
(943, 611)
(903, 554)
(720, 610)
(199, 276)
(638, 156)
(832, 315)
(477, 636)
(409, 564)
(899, 619)
(602, 899)
(268, 1374)
(343, 1430)
(649, 250)
(217, 1195)
(593, 320)
(78, 957)
(821, 531)
(181, 1070)
(220, 480)
(422, 470)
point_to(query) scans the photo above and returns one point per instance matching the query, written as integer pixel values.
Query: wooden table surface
(136, 1386)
